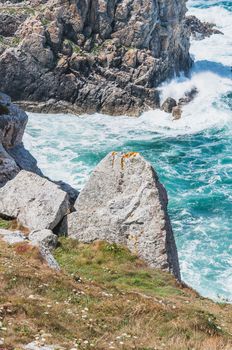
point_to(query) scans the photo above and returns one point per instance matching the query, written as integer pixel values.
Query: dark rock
(188, 97)
(200, 30)
(168, 105)
(176, 112)
(76, 54)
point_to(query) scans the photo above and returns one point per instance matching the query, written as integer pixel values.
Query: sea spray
(192, 155)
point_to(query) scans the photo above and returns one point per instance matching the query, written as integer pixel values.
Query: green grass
(104, 295)
(4, 223)
(114, 267)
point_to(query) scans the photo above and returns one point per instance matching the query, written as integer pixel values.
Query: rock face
(13, 155)
(124, 202)
(36, 202)
(88, 56)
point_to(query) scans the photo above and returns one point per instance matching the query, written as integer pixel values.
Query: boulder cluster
(123, 202)
(170, 105)
(88, 56)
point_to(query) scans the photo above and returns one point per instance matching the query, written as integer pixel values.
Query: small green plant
(45, 21)
(15, 41)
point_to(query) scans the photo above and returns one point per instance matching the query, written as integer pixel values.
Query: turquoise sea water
(193, 156)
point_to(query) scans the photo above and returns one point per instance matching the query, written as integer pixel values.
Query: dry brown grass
(106, 297)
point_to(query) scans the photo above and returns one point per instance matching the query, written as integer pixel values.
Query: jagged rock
(124, 202)
(176, 112)
(188, 96)
(36, 202)
(12, 237)
(13, 155)
(43, 237)
(8, 167)
(168, 105)
(12, 122)
(76, 54)
(200, 30)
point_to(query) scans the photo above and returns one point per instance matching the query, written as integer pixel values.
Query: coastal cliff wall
(89, 56)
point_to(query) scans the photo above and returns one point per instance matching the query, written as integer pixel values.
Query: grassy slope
(104, 298)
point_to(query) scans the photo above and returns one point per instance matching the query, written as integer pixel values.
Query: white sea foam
(66, 146)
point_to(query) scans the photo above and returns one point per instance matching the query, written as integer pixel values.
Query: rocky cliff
(91, 55)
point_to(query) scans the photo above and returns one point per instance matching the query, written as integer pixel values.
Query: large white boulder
(124, 202)
(36, 202)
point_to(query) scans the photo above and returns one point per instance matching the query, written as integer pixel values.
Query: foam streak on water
(192, 155)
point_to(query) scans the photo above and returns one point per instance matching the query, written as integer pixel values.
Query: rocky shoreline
(77, 55)
(123, 202)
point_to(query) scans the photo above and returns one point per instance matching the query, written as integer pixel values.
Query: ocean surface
(193, 156)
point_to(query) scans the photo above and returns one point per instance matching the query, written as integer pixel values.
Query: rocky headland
(88, 56)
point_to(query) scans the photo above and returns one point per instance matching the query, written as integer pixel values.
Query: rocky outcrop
(124, 202)
(200, 30)
(88, 56)
(13, 155)
(168, 105)
(36, 202)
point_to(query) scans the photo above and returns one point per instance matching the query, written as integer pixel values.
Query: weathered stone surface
(124, 202)
(12, 122)
(8, 167)
(49, 258)
(200, 30)
(43, 237)
(13, 155)
(168, 105)
(12, 237)
(36, 202)
(95, 55)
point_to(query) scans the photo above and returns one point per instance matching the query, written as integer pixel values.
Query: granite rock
(124, 202)
(36, 202)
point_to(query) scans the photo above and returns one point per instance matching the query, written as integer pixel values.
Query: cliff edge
(89, 56)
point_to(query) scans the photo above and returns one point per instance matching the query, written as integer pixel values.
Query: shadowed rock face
(13, 155)
(124, 202)
(95, 55)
